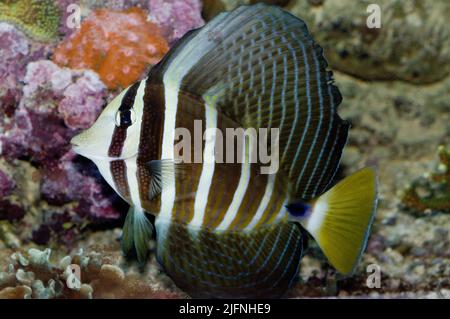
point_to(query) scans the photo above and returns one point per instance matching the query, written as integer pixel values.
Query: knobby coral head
(118, 44)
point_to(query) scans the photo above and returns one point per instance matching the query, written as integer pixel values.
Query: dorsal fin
(260, 66)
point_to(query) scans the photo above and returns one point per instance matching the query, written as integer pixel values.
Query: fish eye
(125, 118)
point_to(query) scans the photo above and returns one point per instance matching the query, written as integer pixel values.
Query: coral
(118, 45)
(35, 275)
(16, 51)
(213, 7)
(60, 197)
(176, 17)
(88, 5)
(38, 18)
(51, 110)
(8, 237)
(435, 188)
(58, 201)
(85, 8)
(11, 211)
(13, 46)
(7, 184)
(64, 183)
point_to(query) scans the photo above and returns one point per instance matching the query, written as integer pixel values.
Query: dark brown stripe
(150, 141)
(119, 175)
(120, 133)
(191, 108)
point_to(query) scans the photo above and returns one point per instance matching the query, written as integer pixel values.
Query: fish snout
(77, 143)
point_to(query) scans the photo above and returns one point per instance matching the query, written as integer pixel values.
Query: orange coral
(118, 45)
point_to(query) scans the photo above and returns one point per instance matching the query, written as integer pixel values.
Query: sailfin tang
(341, 219)
(259, 66)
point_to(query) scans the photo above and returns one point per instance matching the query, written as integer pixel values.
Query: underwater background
(62, 61)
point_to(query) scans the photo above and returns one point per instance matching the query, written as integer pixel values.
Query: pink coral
(63, 182)
(176, 17)
(84, 92)
(13, 47)
(80, 93)
(50, 110)
(56, 102)
(16, 51)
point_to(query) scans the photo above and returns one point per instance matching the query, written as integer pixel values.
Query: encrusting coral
(176, 17)
(49, 97)
(39, 19)
(16, 51)
(436, 187)
(34, 275)
(118, 44)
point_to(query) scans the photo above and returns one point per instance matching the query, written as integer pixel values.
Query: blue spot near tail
(298, 209)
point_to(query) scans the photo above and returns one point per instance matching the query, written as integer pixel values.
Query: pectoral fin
(162, 174)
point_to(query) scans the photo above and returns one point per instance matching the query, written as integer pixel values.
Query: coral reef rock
(432, 192)
(413, 43)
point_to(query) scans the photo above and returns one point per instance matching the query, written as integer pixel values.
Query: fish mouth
(73, 141)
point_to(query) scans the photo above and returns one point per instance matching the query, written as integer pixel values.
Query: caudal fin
(340, 219)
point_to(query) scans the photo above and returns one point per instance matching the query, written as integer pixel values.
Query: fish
(226, 229)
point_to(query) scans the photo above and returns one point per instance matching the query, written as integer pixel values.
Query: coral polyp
(36, 275)
(39, 19)
(118, 44)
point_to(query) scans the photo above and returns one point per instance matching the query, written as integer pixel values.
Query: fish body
(226, 228)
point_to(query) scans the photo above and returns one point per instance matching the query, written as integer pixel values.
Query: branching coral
(435, 186)
(37, 18)
(118, 45)
(35, 275)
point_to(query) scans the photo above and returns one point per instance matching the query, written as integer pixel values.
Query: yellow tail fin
(341, 219)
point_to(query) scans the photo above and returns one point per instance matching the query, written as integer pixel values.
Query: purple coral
(7, 184)
(79, 95)
(176, 17)
(16, 51)
(63, 182)
(10, 211)
(55, 102)
(13, 47)
(83, 101)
